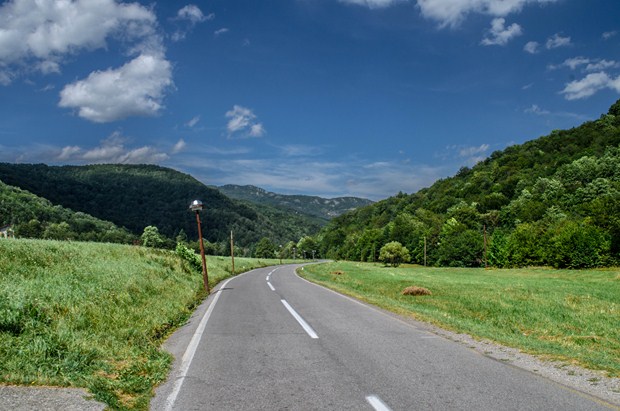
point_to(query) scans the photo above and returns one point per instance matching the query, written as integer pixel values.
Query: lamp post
(196, 206)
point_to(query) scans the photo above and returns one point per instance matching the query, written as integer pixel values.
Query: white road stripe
(300, 320)
(191, 350)
(271, 286)
(267, 278)
(377, 404)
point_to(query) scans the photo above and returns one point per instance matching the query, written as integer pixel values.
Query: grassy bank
(94, 315)
(561, 314)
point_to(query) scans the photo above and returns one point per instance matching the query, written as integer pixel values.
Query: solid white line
(191, 350)
(271, 286)
(300, 320)
(377, 404)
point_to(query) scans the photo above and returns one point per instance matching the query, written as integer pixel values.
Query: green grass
(95, 315)
(569, 315)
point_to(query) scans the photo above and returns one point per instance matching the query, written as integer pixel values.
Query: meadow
(567, 315)
(95, 315)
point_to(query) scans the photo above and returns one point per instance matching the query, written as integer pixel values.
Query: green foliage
(265, 249)
(135, 196)
(151, 237)
(552, 201)
(35, 217)
(394, 253)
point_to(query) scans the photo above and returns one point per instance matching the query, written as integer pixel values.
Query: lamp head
(196, 205)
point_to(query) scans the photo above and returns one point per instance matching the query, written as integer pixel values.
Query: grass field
(569, 315)
(95, 315)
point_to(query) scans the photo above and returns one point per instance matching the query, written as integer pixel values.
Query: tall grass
(95, 315)
(561, 314)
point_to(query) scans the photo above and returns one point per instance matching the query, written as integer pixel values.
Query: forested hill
(136, 196)
(551, 201)
(35, 217)
(323, 208)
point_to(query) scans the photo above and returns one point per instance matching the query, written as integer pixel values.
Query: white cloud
(499, 34)
(135, 89)
(609, 34)
(221, 31)
(556, 41)
(179, 146)
(39, 34)
(112, 150)
(589, 85)
(192, 13)
(453, 12)
(534, 109)
(598, 65)
(531, 47)
(243, 123)
(372, 4)
(193, 121)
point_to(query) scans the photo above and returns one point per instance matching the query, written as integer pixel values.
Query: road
(270, 340)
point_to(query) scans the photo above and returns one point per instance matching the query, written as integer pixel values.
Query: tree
(151, 237)
(265, 249)
(394, 253)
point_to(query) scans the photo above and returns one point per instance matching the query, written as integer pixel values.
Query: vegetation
(94, 315)
(394, 253)
(559, 314)
(136, 196)
(323, 209)
(553, 201)
(35, 217)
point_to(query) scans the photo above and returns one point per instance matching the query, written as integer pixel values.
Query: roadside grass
(567, 315)
(95, 315)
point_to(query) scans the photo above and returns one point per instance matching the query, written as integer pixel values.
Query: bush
(394, 253)
(574, 245)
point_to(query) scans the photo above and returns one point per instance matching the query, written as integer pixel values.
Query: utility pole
(484, 229)
(424, 251)
(232, 252)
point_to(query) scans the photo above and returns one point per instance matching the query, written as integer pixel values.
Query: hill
(136, 196)
(35, 217)
(323, 208)
(550, 201)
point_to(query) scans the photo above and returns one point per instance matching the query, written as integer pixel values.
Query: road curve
(269, 340)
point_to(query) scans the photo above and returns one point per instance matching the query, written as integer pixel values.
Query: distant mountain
(324, 208)
(135, 196)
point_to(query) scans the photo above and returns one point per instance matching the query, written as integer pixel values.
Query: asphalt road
(269, 340)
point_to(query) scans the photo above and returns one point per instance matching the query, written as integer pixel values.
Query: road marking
(271, 286)
(377, 404)
(191, 350)
(300, 320)
(267, 278)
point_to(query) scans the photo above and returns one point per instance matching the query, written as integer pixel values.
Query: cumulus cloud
(453, 12)
(135, 89)
(179, 146)
(588, 65)
(112, 150)
(589, 85)
(243, 123)
(372, 4)
(41, 34)
(557, 41)
(532, 47)
(499, 34)
(192, 13)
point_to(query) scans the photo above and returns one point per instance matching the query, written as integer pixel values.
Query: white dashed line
(377, 404)
(300, 320)
(271, 286)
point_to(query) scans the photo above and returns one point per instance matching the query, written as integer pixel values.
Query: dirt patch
(415, 290)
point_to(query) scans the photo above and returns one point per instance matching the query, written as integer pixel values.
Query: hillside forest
(553, 201)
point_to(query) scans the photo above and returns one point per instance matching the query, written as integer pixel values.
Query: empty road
(269, 340)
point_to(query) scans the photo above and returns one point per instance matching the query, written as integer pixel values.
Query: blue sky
(322, 97)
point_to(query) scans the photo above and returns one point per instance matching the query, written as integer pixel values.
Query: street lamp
(196, 206)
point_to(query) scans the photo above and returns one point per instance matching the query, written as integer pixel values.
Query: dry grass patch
(414, 290)
(338, 272)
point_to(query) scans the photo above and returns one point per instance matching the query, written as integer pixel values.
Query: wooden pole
(205, 275)
(232, 252)
(484, 228)
(424, 251)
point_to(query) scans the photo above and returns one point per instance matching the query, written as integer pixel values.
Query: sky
(362, 98)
